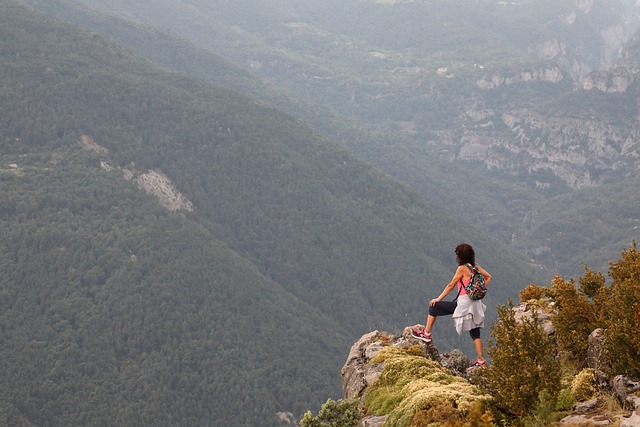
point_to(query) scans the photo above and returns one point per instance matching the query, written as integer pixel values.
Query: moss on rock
(414, 387)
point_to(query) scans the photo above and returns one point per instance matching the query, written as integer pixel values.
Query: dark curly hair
(465, 254)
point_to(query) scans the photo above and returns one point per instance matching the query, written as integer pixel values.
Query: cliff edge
(403, 382)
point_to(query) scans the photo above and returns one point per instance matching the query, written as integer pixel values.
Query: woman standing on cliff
(468, 315)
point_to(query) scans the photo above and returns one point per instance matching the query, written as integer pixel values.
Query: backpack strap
(459, 290)
(460, 284)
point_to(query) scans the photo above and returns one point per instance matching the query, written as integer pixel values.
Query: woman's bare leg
(430, 321)
(477, 343)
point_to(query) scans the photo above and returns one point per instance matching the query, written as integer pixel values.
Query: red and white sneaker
(480, 363)
(422, 335)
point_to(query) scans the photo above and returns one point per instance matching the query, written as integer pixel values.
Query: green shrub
(341, 413)
(565, 400)
(523, 364)
(544, 413)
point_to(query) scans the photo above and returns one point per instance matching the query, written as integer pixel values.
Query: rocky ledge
(361, 369)
(364, 366)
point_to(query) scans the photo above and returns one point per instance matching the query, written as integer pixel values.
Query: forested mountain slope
(114, 311)
(242, 303)
(448, 86)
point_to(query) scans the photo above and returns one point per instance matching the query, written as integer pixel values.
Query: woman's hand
(433, 302)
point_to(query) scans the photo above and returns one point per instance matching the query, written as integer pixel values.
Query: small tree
(621, 314)
(575, 320)
(523, 364)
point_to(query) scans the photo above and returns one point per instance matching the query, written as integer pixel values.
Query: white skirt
(468, 314)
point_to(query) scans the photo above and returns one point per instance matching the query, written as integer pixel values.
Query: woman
(468, 315)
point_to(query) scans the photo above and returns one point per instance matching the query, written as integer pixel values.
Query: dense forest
(102, 322)
(116, 310)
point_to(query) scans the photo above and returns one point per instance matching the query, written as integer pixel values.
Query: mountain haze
(241, 301)
(516, 88)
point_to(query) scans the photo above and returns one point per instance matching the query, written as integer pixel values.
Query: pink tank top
(461, 284)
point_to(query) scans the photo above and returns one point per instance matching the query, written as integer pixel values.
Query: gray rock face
(584, 407)
(456, 361)
(613, 81)
(372, 421)
(595, 359)
(632, 421)
(357, 372)
(524, 311)
(545, 73)
(627, 391)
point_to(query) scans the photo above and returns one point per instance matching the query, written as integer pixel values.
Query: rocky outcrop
(573, 149)
(629, 57)
(595, 354)
(153, 182)
(531, 311)
(372, 421)
(546, 72)
(359, 372)
(627, 391)
(617, 80)
(89, 144)
(579, 151)
(159, 185)
(550, 48)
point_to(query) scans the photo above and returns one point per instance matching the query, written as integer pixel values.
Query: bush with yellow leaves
(583, 385)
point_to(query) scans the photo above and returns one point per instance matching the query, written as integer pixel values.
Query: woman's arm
(447, 289)
(485, 273)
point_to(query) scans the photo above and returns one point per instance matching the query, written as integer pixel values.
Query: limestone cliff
(153, 182)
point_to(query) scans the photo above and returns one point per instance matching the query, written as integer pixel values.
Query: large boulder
(358, 372)
(456, 362)
(627, 391)
(527, 311)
